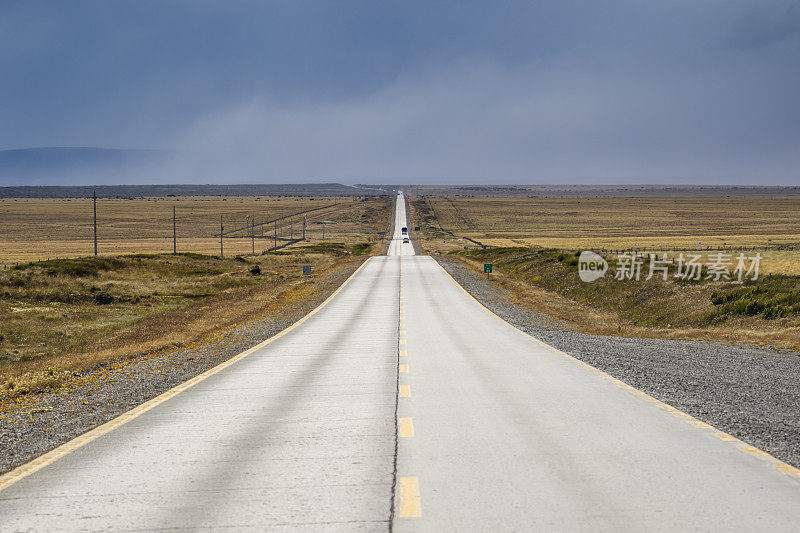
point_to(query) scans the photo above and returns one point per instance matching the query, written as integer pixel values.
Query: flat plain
(770, 225)
(46, 228)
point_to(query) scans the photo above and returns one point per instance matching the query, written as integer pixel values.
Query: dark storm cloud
(620, 91)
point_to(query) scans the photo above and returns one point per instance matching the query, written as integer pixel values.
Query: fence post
(220, 237)
(174, 238)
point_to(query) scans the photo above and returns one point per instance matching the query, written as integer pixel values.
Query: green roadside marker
(487, 268)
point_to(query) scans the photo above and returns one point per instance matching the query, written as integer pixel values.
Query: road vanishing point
(403, 404)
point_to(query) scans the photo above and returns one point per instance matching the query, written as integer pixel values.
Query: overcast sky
(555, 91)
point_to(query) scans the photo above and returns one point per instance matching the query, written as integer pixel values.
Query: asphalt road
(403, 402)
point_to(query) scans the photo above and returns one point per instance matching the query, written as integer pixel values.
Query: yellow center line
(405, 391)
(402, 341)
(403, 353)
(402, 332)
(404, 369)
(406, 427)
(402, 325)
(409, 497)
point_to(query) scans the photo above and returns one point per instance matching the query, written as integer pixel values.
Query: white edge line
(34, 465)
(783, 467)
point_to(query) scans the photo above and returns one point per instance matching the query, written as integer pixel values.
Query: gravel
(752, 393)
(42, 422)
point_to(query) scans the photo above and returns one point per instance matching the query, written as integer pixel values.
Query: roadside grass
(62, 317)
(764, 312)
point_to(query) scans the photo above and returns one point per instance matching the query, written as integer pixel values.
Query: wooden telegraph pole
(275, 233)
(94, 207)
(174, 237)
(220, 237)
(253, 235)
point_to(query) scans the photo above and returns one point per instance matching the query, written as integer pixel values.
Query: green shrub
(775, 311)
(76, 268)
(361, 248)
(103, 298)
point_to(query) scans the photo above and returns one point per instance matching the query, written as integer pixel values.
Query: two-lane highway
(403, 403)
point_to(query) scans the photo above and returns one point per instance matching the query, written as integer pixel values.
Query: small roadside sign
(487, 268)
(416, 228)
(306, 270)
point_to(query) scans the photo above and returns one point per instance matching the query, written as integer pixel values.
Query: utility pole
(291, 229)
(174, 238)
(304, 228)
(253, 235)
(275, 233)
(94, 207)
(220, 237)
(323, 231)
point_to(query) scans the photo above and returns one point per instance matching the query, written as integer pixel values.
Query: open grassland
(534, 244)
(69, 315)
(45, 228)
(652, 224)
(64, 316)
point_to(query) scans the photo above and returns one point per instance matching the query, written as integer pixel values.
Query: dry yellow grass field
(771, 225)
(33, 228)
(534, 243)
(71, 314)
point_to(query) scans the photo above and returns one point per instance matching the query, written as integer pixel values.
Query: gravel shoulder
(752, 393)
(41, 422)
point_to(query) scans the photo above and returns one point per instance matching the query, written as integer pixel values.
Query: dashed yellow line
(406, 427)
(404, 369)
(409, 497)
(402, 332)
(405, 391)
(402, 341)
(403, 353)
